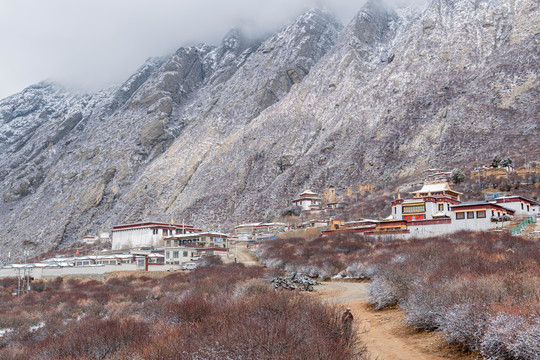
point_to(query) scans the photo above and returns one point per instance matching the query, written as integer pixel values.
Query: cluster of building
(503, 172)
(255, 232)
(433, 210)
(436, 210)
(149, 246)
(311, 203)
(180, 243)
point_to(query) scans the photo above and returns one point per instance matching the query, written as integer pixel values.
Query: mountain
(218, 135)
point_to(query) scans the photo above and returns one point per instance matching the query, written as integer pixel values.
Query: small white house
(308, 201)
(177, 255)
(520, 205)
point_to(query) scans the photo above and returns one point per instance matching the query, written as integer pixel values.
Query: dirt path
(383, 332)
(243, 254)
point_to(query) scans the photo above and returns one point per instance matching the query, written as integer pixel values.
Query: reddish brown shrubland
(214, 312)
(481, 289)
(272, 325)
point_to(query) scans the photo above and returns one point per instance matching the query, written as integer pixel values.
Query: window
(414, 209)
(155, 231)
(448, 207)
(175, 254)
(165, 232)
(470, 214)
(441, 207)
(492, 213)
(395, 210)
(460, 215)
(481, 214)
(168, 254)
(527, 207)
(521, 206)
(185, 254)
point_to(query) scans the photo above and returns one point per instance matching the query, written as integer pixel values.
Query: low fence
(95, 271)
(522, 225)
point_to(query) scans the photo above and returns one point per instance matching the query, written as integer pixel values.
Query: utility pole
(26, 271)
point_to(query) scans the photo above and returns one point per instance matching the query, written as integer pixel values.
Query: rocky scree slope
(232, 133)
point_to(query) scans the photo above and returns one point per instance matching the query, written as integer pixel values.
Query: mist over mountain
(221, 134)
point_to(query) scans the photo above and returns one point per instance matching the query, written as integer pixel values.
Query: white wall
(91, 271)
(169, 252)
(424, 231)
(398, 212)
(131, 238)
(431, 208)
(516, 206)
(476, 224)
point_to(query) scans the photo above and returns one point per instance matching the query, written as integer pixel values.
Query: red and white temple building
(436, 209)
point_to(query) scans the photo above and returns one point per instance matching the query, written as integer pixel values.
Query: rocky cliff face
(231, 133)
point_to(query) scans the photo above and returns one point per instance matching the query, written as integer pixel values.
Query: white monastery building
(144, 234)
(436, 210)
(308, 201)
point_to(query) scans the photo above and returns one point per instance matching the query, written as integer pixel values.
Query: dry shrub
(92, 338)
(454, 283)
(273, 325)
(214, 312)
(252, 287)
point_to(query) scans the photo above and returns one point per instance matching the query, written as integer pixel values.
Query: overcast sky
(90, 44)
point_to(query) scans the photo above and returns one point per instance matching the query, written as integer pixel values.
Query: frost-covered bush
(209, 260)
(273, 263)
(424, 306)
(464, 324)
(359, 270)
(511, 336)
(382, 293)
(327, 271)
(458, 283)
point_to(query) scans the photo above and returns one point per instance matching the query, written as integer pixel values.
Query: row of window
(420, 208)
(171, 232)
(390, 228)
(414, 209)
(441, 207)
(471, 214)
(180, 242)
(176, 254)
(527, 207)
